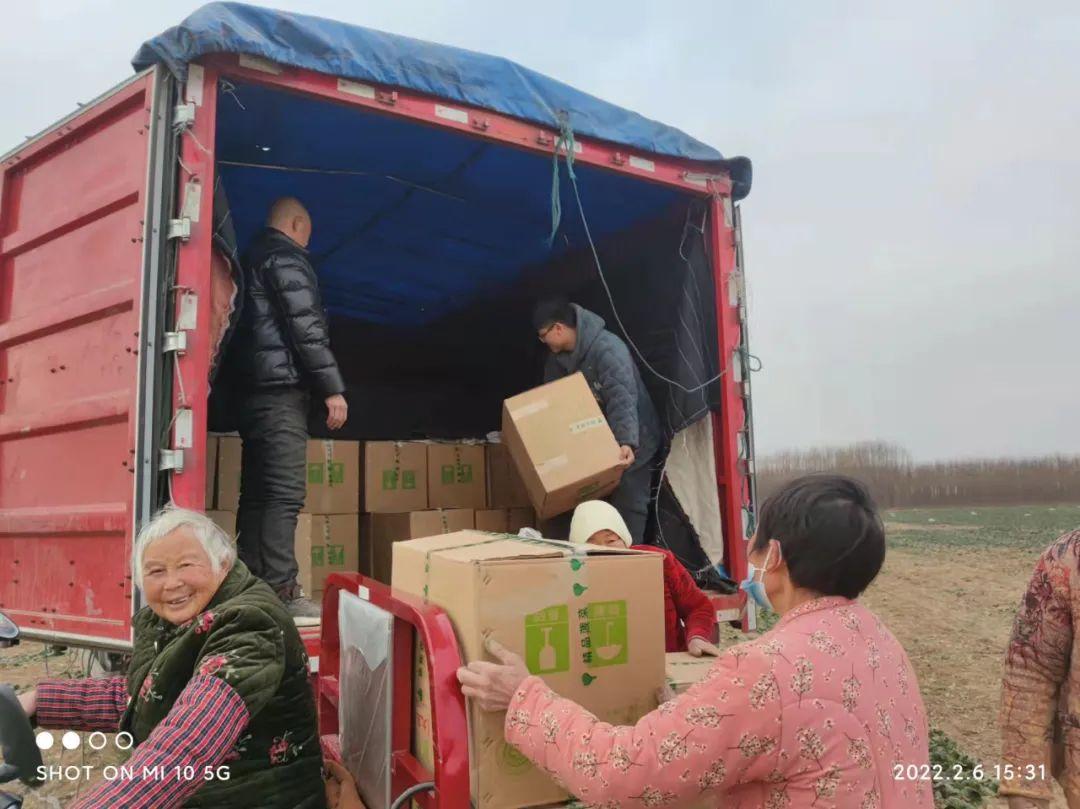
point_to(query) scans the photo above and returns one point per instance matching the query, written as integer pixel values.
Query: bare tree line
(896, 481)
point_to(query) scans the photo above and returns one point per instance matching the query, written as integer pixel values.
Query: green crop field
(1020, 527)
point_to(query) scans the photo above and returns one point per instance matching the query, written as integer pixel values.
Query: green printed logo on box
(317, 473)
(547, 640)
(335, 555)
(318, 555)
(513, 762)
(391, 478)
(451, 474)
(609, 634)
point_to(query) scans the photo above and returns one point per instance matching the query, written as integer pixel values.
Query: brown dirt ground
(22, 666)
(952, 608)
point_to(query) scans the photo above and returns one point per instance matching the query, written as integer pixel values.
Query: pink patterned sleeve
(85, 704)
(194, 738)
(723, 731)
(1036, 667)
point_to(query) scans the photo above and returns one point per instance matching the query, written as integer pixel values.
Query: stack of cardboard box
(559, 451)
(363, 497)
(414, 490)
(327, 533)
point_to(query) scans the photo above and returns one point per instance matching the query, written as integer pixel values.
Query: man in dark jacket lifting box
(578, 341)
(280, 356)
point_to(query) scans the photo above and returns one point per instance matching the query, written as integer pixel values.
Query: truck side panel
(72, 228)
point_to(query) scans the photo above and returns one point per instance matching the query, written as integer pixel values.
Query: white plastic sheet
(691, 471)
(364, 711)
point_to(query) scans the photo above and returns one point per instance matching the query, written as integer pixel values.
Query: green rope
(565, 139)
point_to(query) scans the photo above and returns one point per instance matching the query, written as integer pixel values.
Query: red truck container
(108, 284)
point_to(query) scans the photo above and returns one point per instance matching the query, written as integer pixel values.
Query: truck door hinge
(184, 114)
(174, 341)
(171, 460)
(179, 229)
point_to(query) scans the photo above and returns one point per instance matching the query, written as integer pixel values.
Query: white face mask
(755, 587)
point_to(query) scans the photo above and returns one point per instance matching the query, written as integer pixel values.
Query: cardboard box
(683, 669)
(395, 477)
(325, 544)
(333, 477)
(381, 531)
(561, 445)
(456, 477)
(506, 489)
(228, 475)
(590, 622)
(493, 521)
(210, 498)
(225, 520)
(505, 520)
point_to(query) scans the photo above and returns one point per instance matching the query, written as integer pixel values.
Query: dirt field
(949, 590)
(21, 667)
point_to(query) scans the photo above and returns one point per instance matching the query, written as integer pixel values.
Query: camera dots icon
(72, 740)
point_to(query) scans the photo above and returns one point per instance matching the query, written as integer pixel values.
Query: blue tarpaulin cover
(349, 51)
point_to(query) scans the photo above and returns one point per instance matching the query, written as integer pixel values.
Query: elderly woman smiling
(216, 698)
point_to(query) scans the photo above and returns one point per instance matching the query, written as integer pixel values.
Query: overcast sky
(913, 235)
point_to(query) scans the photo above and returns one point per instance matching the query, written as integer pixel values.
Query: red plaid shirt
(198, 733)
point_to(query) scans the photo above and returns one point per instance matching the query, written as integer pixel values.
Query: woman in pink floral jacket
(823, 711)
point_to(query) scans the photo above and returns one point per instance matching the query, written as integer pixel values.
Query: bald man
(280, 358)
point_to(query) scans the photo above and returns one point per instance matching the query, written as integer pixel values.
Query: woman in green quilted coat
(217, 697)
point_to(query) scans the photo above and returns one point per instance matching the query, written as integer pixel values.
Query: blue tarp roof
(411, 223)
(490, 82)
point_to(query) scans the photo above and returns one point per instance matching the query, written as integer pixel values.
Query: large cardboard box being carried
(333, 477)
(506, 489)
(561, 445)
(683, 669)
(325, 544)
(590, 622)
(381, 531)
(456, 476)
(395, 477)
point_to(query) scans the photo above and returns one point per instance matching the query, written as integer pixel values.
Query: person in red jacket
(689, 617)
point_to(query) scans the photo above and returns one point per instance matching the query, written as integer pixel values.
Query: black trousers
(634, 494)
(273, 429)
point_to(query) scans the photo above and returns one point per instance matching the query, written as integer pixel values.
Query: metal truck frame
(105, 269)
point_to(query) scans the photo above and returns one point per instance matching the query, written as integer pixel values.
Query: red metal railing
(450, 740)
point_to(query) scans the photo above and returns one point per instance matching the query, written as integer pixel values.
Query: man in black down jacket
(280, 356)
(579, 342)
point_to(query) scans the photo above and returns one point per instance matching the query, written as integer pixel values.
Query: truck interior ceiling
(431, 245)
